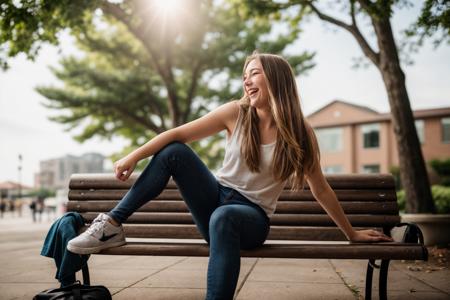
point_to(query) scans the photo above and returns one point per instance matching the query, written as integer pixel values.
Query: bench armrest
(412, 233)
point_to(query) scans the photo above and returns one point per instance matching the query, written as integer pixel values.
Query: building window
(330, 139)
(445, 130)
(366, 169)
(371, 135)
(420, 125)
(336, 169)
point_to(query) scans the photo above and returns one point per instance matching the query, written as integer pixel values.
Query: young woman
(269, 143)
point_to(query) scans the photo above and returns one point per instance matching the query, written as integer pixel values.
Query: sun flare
(167, 19)
(168, 8)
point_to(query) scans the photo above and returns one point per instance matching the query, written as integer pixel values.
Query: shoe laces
(97, 225)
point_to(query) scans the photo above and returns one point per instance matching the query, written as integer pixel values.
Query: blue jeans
(225, 218)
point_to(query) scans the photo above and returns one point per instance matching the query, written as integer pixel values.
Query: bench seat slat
(341, 251)
(276, 232)
(283, 207)
(359, 181)
(343, 195)
(277, 219)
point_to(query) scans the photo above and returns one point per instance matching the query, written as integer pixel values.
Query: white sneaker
(100, 235)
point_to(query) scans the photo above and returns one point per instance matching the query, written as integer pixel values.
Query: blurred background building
(55, 173)
(357, 139)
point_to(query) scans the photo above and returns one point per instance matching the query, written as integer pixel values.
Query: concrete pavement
(23, 273)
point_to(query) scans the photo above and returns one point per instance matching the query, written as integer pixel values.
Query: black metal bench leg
(85, 272)
(369, 275)
(383, 279)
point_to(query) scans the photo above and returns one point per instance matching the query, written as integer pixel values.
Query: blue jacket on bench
(60, 233)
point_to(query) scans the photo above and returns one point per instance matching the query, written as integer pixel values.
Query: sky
(26, 130)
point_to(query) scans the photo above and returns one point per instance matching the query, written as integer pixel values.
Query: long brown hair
(296, 149)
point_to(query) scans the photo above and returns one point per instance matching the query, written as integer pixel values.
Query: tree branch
(328, 18)
(143, 121)
(139, 32)
(192, 88)
(155, 106)
(171, 86)
(369, 6)
(352, 12)
(379, 10)
(353, 29)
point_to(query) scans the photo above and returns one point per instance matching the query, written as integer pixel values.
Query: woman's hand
(370, 235)
(124, 167)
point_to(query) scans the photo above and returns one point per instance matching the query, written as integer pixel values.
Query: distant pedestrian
(40, 205)
(2, 208)
(12, 206)
(33, 210)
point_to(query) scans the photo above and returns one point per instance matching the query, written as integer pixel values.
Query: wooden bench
(300, 228)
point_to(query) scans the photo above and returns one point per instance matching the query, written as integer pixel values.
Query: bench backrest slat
(286, 195)
(283, 207)
(338, 181)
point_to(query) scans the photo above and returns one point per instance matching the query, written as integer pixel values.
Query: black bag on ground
(76, 291)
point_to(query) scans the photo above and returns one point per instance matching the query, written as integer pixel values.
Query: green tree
(442, 168)
(385, 56)
(42, 193)
(144, 70)
(434, 21)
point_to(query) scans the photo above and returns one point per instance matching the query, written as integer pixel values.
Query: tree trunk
(413, 172)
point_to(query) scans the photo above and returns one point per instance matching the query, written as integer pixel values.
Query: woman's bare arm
(215, 121)
(326, 197)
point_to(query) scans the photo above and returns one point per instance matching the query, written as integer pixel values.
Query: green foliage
(141, 74)
(108, 91)
(442, 168)
(434, 20)
(25, 25)
(395, 171)
(401, 200)
(441, 197)
(42, 193)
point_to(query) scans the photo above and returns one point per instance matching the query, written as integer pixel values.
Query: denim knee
(222, 221)
(174, 147)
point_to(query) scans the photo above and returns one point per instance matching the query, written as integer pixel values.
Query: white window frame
(420, 129)
(333, 169)
(324, 135)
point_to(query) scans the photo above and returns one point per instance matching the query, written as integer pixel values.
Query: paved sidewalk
(23, 273)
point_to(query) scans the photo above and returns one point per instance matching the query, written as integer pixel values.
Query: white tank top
(260, 188)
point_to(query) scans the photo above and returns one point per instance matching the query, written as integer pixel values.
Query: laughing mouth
(252, 91)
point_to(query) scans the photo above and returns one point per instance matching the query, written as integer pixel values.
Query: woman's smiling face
(255, 86)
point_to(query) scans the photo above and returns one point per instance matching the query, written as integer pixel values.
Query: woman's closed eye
(251, 75)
